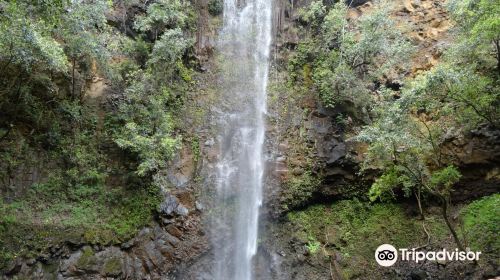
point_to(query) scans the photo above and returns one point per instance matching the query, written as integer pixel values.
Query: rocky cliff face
(314, 161)
(153, 254)
(311, 160)
(311, 157)
(307, 137)
(477, 153)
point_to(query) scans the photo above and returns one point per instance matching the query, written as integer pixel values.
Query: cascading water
(244, 49)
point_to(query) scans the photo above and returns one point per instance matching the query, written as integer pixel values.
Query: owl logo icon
(386, 255)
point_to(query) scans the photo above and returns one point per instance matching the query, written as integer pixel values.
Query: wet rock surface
(152, 254)
(178, 242)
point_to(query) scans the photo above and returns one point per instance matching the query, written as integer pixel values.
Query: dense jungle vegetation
(50, 50)
(350, 65)
(103, 159)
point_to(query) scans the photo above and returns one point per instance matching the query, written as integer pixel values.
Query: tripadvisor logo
(387, 255)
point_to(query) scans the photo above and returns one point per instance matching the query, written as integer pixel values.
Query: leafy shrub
(147, 128)
(163, 15)
(313, 14)
(215, 7)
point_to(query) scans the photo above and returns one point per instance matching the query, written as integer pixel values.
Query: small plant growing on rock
(313, 246)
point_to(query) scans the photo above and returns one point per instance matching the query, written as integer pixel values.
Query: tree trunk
(444, 212)
(497, 47)
(16, 103)
(73, 79)
(418, 196)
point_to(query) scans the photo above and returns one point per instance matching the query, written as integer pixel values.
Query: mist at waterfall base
(244, 46)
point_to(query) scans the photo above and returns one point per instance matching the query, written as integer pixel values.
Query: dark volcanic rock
(477, 154)
(152, 254)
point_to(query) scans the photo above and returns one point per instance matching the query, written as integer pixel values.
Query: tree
(313, 14)
(29, 55)
(163, 15)
(38, 38)
(215, 7)
(87, 37)
(26, 41)
(441, 183)
(346, 57)
(478, 28)
(460, 94)
(406, 148)
(146, 117)
(147, 128)
(167, 52)
(451, 90)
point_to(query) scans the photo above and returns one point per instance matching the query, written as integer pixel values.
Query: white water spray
(244, 48)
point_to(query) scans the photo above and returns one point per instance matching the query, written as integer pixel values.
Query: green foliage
(406, 144)
(87, 258)
(112, 266)
(27, 41)
(37, 40)
(313, 246)
(347, 57)
(138, 50)
(82, 30)
(145, 121)
(392, 133)
(53, 212)
(406, 149)
(313, 14)
(299, 190)
(444, 179)
(195, 148)
(89, 193)
(215, 7)
(478, 30)
(465, 86)
(481, 221)
(408, 132)
(458, 91)
(148, 125)
(383, 186)
(168, 50)
(356, 228)
(162, 15)
(341, 121)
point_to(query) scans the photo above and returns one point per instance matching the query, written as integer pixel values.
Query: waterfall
(244, 48)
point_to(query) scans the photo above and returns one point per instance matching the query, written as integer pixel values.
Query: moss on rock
(299, 189)
(355, 229)
(87, 259)
(112, 267)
